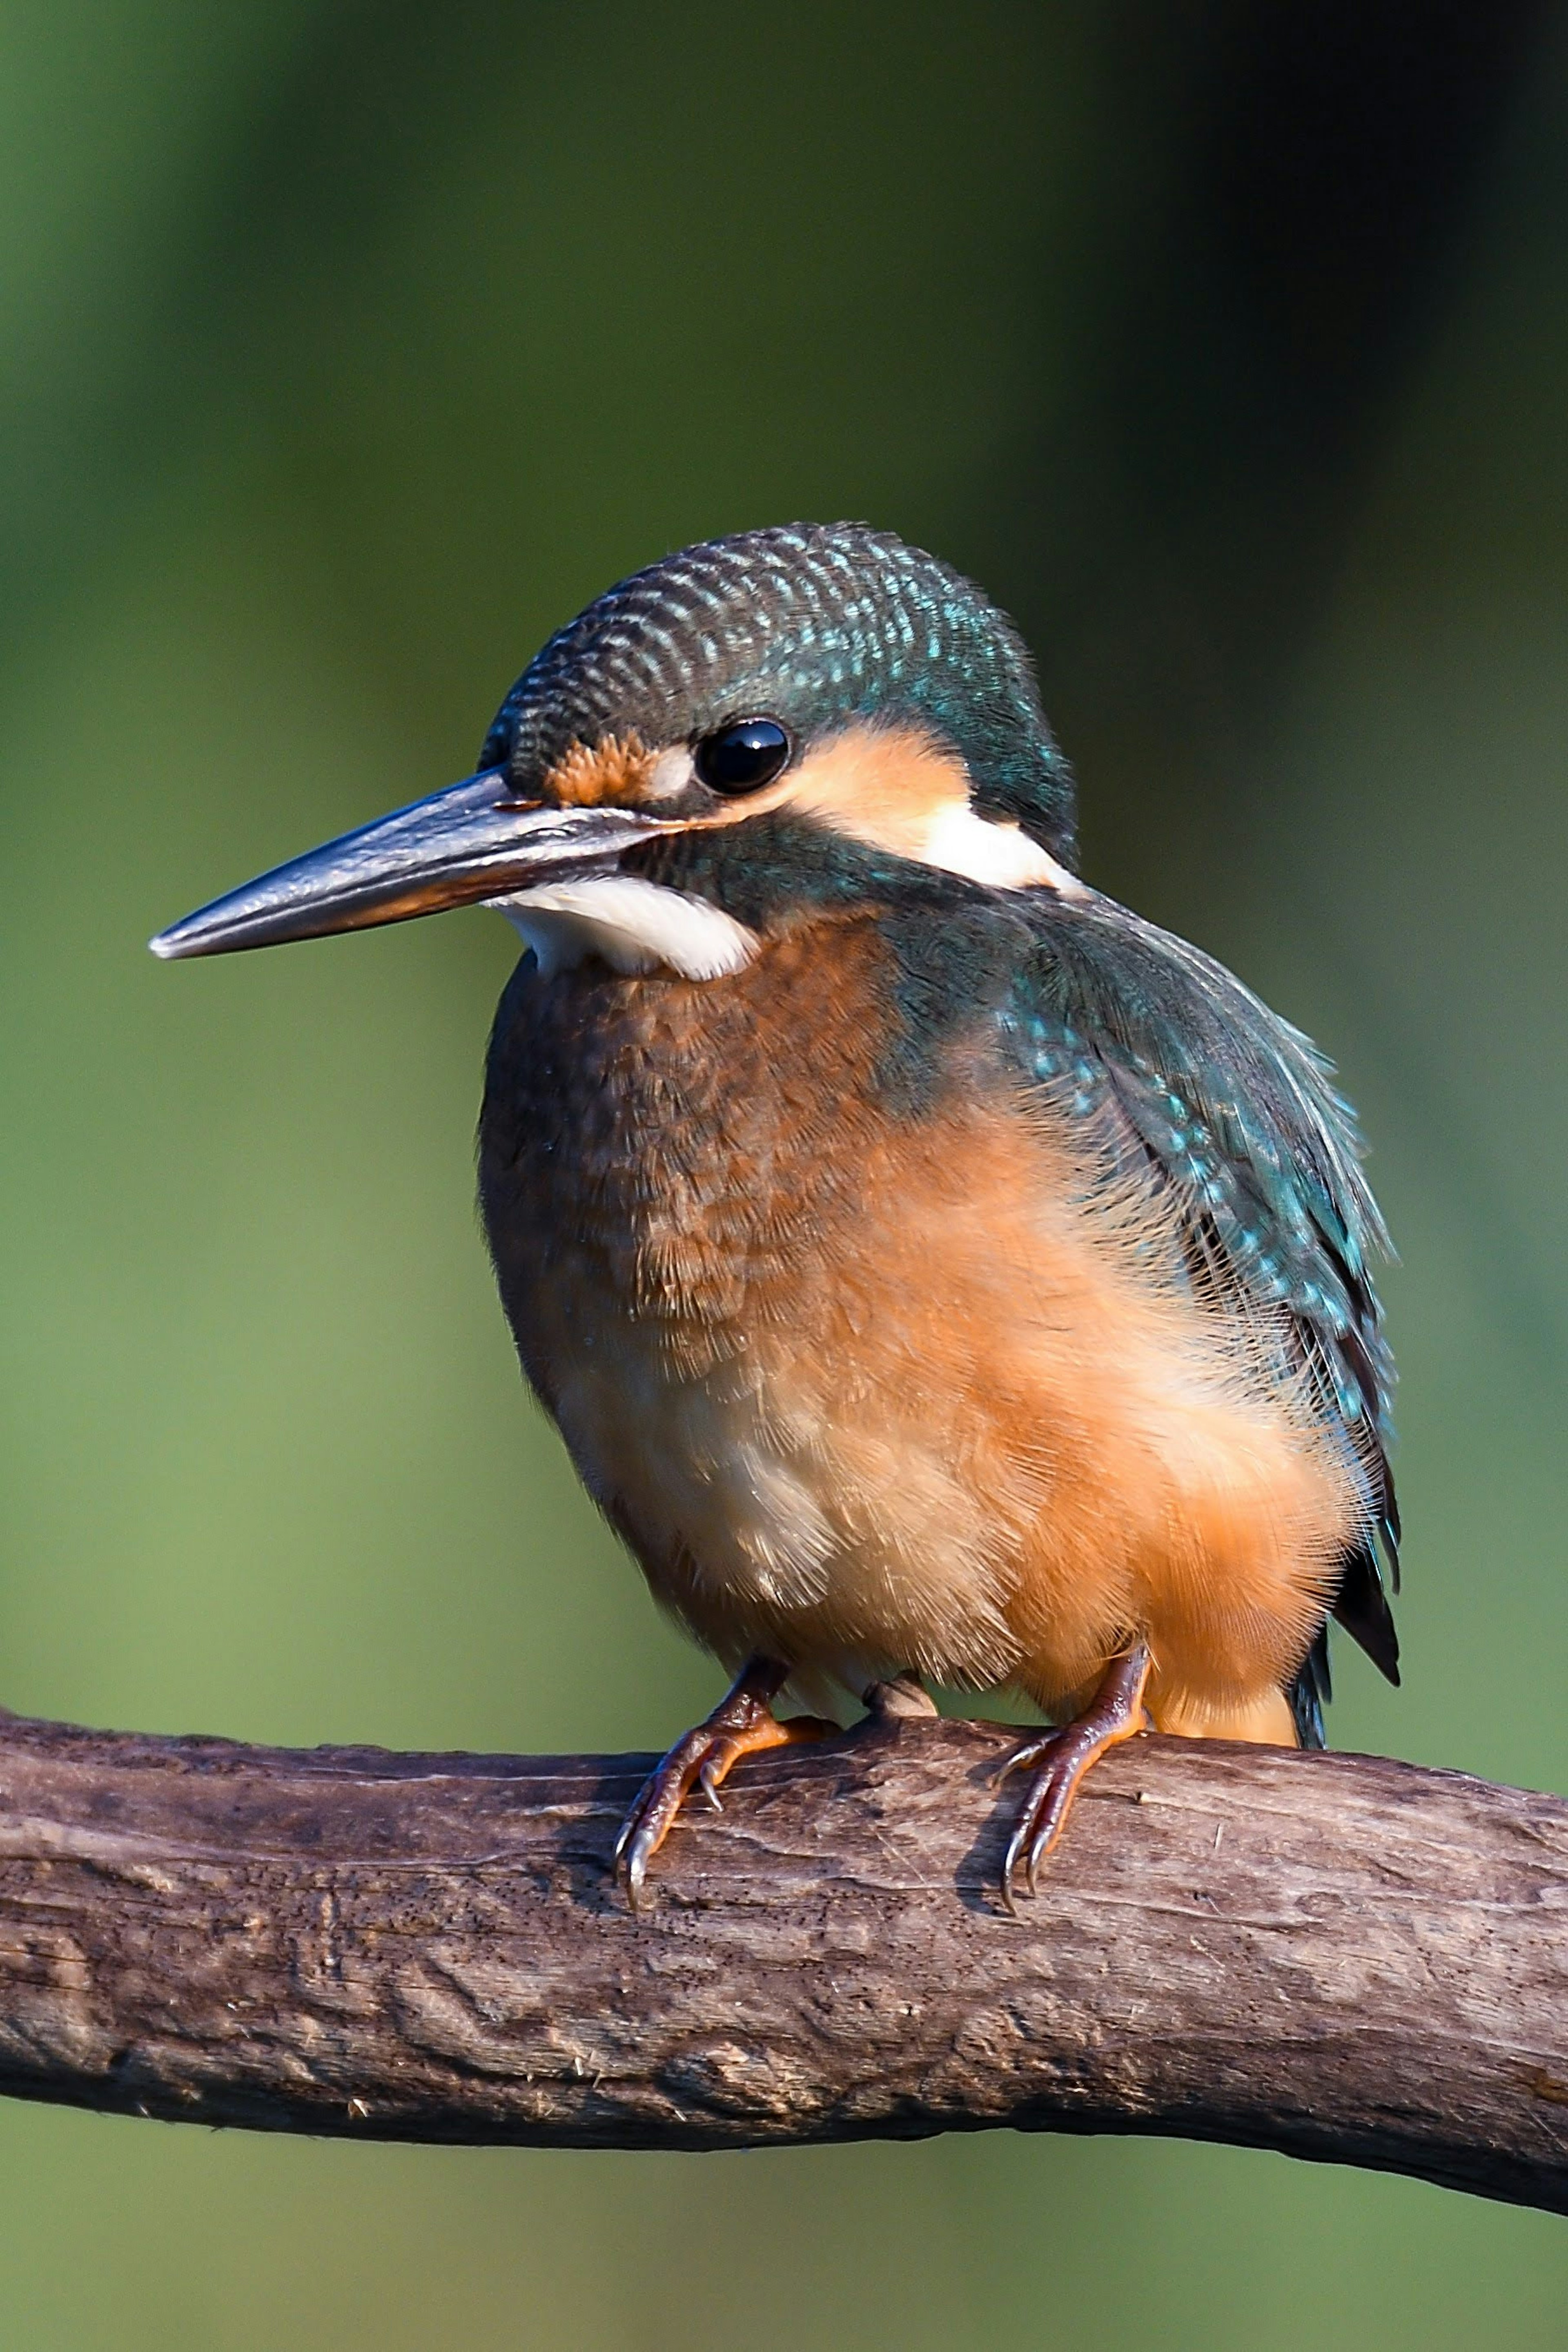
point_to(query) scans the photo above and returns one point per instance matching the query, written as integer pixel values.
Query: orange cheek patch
(611, 773)
(884, 785)
(898, 790)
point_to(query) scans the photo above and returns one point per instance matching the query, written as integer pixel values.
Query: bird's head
(756, 720)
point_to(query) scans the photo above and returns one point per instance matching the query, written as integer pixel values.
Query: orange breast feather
(865, 1389)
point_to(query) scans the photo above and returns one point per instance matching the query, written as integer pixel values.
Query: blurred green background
(344, 352)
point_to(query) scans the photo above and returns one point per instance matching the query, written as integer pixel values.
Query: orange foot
(1064, 1757)
(742, 1724)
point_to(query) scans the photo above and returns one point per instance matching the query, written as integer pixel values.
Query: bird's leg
(742, 1724)
(1064, 1757)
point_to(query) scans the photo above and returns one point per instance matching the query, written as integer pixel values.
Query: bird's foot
(742, 1724)
(1060, 1760)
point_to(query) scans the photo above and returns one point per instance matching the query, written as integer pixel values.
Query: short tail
(1310, 1693)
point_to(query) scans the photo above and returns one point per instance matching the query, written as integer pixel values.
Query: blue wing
(1191, 1079)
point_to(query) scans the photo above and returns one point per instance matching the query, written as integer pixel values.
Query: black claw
(636, 1871)
(632, 1823)
(1032, 1754)
(1010, 1863)
(1033, 1751)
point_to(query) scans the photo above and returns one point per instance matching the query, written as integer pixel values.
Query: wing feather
(1235, 1113)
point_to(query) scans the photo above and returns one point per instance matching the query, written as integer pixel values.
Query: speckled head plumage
(907, 702)
(822, 625)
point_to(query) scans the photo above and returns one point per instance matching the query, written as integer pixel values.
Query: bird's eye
(743, 756)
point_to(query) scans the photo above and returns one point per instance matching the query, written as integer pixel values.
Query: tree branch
(1333, 1955)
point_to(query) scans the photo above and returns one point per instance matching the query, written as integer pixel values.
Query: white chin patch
(629, 924)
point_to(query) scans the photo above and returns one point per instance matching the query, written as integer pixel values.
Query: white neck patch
(632, 925)
(985, 849)
(897, 789)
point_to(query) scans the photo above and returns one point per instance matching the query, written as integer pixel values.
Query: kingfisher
(939, 1275)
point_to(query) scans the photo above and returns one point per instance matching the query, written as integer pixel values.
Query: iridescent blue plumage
(1235, 1115)
(812, 621)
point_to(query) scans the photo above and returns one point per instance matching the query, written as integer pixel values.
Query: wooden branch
(1333, 1955)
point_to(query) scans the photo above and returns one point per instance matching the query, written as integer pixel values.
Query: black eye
(741, 758)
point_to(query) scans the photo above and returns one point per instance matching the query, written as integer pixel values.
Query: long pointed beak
(457, 849)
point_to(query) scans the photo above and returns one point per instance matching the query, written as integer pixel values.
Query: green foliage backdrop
(343, 353)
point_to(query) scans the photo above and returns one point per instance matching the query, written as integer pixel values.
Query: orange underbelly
(927, 1402)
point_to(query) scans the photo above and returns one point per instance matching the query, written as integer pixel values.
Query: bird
(940, 1275)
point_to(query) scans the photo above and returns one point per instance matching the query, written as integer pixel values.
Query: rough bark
(1333, 1955)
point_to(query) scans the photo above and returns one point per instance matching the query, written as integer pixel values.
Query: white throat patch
(632, 925)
